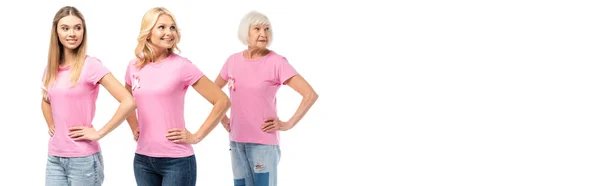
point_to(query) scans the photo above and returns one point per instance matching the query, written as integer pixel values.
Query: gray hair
(253, 18)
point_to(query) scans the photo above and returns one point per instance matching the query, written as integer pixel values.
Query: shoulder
(276, 58)
(132, 62)
(92, 60)
(235, 56)
(179, 60)
(92, 63)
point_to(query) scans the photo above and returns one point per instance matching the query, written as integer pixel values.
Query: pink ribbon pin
(136, 82)
(230, 83)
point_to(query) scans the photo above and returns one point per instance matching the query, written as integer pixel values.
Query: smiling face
(164, 33)
(70, 31)
(259, 36)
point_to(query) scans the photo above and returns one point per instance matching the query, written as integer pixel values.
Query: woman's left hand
(84, 133)
(273, 124)
(182, 136)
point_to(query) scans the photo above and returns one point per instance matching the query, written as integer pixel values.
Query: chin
(71, 47)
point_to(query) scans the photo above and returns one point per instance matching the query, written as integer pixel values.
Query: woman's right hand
(51, 131)
(226, 123)
(136, 133)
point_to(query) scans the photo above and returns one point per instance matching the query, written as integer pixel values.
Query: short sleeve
(225, 69)
(189, 73)
(285, 71)
(95, 70)
(128, 74)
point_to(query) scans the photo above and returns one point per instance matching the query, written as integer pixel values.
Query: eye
(267, 29)
(256, 28)
(65, 28)
(78, 28)
(172, 27)
(161, 27)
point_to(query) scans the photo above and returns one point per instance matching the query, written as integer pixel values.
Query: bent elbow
(130, 102)
(312, 96)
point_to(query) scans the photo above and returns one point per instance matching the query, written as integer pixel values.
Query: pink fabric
(74, 106)
(159, 90)
(253, 85)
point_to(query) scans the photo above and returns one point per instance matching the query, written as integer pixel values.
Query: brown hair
(56, 49)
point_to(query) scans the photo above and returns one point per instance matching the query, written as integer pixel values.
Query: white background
(417, 93)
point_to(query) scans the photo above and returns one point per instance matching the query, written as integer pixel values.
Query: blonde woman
(253, 77)
(70, 87)
(159, 78)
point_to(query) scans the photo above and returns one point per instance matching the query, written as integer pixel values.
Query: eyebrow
(73, 25)
(164, 24)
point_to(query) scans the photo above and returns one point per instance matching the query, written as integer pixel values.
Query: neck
(68, 57)
(160, 55)
(255, 53)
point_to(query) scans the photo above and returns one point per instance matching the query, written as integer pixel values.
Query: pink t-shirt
(159, 90)
(252, 88)
(74, 106)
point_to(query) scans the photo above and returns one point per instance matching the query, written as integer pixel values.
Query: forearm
(47, 111)
(132, 120)
(123, 112)
(218, 112)
(307, 102)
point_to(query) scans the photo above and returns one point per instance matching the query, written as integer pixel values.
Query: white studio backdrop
(411, 92)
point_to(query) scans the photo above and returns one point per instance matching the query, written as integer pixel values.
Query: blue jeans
(254, 164)
(75, 171)
(151, 171)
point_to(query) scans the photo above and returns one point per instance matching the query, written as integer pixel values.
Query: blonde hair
(144, 52)
(56, 52)
(253, 18)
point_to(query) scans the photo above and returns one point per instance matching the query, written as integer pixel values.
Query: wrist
(197, 137)
(101, 133)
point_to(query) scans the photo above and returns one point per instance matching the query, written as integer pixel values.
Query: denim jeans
(75, 171)
(254, 164)
(159, 171)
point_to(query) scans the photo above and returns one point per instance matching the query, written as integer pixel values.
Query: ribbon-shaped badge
(230, 83)
(136, 82)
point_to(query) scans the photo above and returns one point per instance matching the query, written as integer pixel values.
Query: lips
(167, 39)
(71, 41)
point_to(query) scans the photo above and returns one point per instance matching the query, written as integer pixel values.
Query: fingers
(175, 130)
(51, 131)
(75, 134)
(270, 127)
(177, 135)
(76, 128)
(80, 138)
(174, 133)
(227, 127)
(136, 135)
(267, 124)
